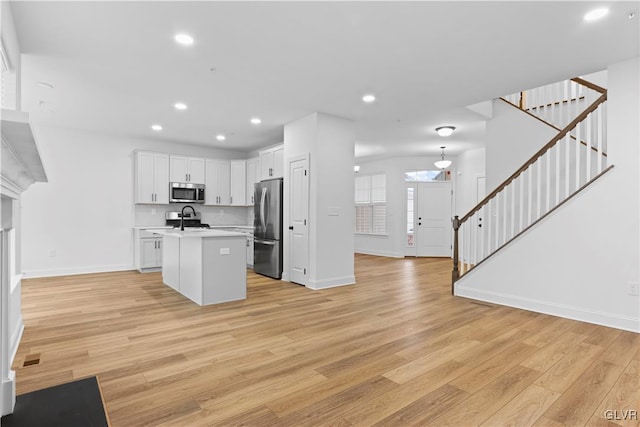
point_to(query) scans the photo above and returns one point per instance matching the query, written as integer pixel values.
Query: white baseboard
(8, 394)
(379, 253)
(562, 310)
(78, 270)
(331, 283)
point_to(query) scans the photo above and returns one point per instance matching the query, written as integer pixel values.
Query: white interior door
(298, 217)
(433, 226)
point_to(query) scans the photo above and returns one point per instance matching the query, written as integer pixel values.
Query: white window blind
(371, 208)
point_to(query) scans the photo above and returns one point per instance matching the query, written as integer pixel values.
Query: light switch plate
(225, 251)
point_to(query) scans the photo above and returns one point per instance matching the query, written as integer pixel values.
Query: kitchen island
(206, 266)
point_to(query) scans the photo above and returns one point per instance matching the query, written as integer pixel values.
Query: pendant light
(442, 164)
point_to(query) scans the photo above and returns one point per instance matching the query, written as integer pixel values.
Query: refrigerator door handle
(265, 242)
(262, 209)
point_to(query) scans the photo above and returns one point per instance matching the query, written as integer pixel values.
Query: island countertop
(200, 233)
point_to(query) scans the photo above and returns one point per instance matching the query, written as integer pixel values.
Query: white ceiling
(115, 68)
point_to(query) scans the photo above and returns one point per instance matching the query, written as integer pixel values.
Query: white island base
(208, 267)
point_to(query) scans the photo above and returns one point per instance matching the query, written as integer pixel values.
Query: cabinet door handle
(231, 200)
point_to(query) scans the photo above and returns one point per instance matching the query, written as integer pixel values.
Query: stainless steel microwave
(183, 192)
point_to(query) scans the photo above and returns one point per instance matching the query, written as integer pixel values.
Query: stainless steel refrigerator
(267, 228)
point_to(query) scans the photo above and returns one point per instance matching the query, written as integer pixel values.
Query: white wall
(579, 262)
(469, 166)
(512, 138)
(329, 141)
(85, 212)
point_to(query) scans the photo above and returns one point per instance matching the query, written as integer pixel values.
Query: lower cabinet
(147, 251)
(249, 251)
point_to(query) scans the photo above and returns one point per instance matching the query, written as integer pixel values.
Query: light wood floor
(395, 349)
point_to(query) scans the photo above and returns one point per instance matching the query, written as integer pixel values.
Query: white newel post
(20, 166)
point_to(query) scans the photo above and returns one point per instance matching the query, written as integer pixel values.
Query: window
(427, 175)
(371, 204)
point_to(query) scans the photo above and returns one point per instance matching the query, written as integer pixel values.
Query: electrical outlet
(153, 211)
(52, 253)
(633, 288)
(225, 251)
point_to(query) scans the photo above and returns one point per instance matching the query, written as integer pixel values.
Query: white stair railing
(568, 163)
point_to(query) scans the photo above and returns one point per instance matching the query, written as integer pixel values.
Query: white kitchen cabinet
(151, 253)
(187, 169)
(249, 251)
(147, 250)
(152, 178)
(253, 176)
(238, 184)
(218, 182)
(272, 163)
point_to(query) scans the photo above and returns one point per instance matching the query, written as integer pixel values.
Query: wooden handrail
(538, 154)
(590, 85)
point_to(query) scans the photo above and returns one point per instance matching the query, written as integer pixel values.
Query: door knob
(419, 223)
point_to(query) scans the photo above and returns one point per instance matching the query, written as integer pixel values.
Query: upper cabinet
(187, 169)
(272, 163)
(253, 176)
(218, 182)
(152, 178)
(238, 182)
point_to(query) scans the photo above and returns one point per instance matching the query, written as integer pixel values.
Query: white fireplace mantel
(20, 166)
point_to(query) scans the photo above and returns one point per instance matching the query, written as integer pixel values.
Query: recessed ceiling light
(183, 39)
(596, 14)
(220, 137)
(180, 106)
(157, 128)
(256, 120)
(369, 98)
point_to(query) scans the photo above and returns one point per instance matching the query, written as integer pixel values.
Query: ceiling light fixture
(596, 14)
(220, 137)
(445, 130)
(632, 14)
(180, 106)
(369, 98)
(157, 128)
(356, 168)
(183, 39)
(256, 120)
(45, 84)
(442, 164)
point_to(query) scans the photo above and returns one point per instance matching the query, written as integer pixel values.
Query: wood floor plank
(623, 397)
(570, 367)
(576, 405)
(395, 349)
(525, 409)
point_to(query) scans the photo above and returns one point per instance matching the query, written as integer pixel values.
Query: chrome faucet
(182, 216)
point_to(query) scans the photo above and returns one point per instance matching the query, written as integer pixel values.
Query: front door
(433, 219)
(298, 217)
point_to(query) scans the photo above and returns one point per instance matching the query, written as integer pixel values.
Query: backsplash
(212, 215)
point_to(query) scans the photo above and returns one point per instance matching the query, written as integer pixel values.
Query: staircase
(573, 159)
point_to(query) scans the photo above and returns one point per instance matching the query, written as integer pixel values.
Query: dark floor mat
(78, 403)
